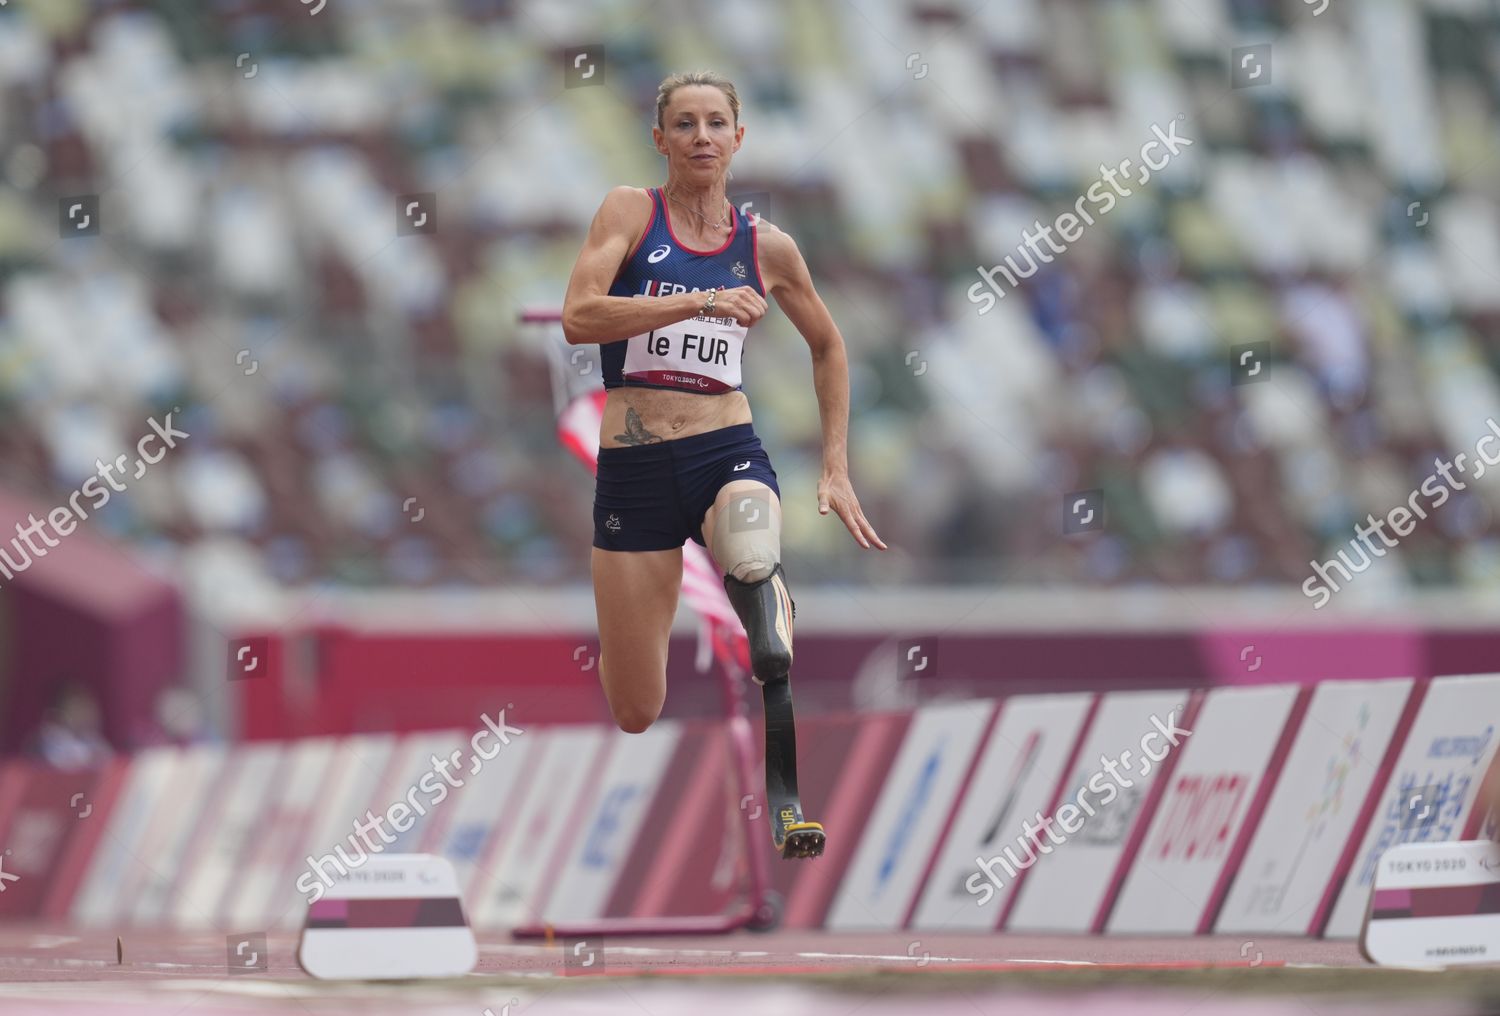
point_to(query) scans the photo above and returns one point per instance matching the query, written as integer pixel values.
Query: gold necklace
(711, 225)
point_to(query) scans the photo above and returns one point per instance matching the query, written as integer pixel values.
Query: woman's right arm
(589, 314)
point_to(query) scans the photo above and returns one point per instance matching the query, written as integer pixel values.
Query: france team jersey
(698, 354)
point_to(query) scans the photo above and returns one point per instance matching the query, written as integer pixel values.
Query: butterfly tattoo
(635, 431)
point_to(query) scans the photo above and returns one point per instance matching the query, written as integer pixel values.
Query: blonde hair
(672, 82)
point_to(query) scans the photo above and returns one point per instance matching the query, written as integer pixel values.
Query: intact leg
(743, 529)
(635, 595)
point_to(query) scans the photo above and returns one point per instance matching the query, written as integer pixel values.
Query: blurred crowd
(365, 407)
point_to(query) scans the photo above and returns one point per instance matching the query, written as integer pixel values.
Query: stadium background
(373, 497)
(248, 157)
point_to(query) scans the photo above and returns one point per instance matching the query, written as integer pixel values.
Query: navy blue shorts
(654, 496)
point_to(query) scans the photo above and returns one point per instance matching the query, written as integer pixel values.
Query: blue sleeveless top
(699, 354)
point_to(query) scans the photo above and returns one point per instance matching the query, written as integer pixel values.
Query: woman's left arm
(786, 278)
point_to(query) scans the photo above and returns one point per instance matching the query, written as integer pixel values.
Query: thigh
(635, 594)
(742, 507)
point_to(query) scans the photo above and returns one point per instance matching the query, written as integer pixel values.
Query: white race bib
(700, 354)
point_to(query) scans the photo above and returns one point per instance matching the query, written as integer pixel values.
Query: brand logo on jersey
(739, 270)
(741, 467)
(658, 254)
(612, 524)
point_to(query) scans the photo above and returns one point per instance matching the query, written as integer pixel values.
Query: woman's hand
(836, 492)
(742, 303)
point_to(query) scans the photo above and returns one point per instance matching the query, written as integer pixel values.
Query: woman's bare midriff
(635, 416)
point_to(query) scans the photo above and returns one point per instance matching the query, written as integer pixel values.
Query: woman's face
(698, 133)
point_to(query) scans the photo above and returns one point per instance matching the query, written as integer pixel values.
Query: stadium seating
(365, 408)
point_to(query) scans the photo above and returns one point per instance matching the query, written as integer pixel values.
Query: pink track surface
(60, 971)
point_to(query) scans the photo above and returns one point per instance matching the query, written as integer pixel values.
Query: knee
(635, 721)
(632, 713)
(633, 718)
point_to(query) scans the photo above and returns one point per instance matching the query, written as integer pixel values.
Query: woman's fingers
(849, 523)
(846, 506)
(744, 304)
(851, 519)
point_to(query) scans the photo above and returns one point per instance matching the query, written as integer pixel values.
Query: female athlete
(669, 282)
